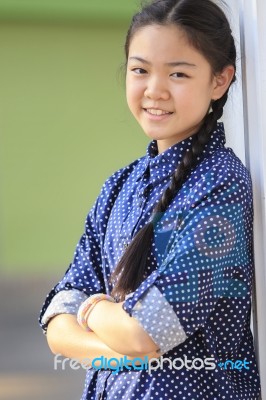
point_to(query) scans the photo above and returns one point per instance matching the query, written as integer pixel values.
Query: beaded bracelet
(87, 306)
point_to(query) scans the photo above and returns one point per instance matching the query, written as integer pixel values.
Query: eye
(139, 71)
(179, 75)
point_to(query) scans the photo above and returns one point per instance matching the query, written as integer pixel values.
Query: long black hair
(207, 30)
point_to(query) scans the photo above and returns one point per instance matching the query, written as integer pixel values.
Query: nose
(156, 89)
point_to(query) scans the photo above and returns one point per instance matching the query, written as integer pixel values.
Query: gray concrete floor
(26, 363)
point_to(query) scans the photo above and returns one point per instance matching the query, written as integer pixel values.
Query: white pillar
(253, 45)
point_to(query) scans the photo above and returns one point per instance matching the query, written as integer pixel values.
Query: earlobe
(223, 81)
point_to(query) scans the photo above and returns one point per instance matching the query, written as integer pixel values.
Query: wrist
(99, 314)
(88, 305)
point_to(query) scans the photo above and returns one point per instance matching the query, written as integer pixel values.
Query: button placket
(143, 194)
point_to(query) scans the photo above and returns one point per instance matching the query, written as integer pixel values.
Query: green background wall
(64, 124)
(68, 9)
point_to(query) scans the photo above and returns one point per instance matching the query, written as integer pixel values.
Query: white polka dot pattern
(195, 297)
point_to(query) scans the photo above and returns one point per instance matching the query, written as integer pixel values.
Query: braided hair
(207, 30)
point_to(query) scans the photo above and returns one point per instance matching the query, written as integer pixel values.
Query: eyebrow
(170, 64)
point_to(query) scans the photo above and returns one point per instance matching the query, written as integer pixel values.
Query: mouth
(157, 112)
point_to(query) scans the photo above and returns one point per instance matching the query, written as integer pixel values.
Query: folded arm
(67, 338)
(118, 330)
(207, 264)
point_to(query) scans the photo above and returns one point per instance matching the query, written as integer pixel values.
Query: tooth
(157, 112)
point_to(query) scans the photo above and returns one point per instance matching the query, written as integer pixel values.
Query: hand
(119, 331)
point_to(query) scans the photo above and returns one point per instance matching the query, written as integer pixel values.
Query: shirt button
(146, 191)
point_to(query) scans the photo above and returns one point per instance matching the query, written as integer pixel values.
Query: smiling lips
(157, 112)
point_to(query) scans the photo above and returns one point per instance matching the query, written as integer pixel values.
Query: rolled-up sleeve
(64, 302)
(208, 258)
(158, 318)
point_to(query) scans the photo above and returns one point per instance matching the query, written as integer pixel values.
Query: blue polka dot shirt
(195, 299)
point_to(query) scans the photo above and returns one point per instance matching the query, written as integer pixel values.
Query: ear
(222, 82)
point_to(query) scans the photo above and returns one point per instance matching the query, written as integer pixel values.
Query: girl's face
(169, 84)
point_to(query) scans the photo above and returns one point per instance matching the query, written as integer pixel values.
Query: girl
(164, 269)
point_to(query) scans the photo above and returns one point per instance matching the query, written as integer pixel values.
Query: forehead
(164, 43)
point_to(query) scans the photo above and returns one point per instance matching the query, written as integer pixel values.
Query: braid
(190, 158)
(144, 236)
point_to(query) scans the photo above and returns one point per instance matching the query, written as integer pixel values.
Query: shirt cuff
(159, 320)
(64, 302)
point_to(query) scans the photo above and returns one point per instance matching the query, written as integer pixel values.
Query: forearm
(118, 330)
(67, 338)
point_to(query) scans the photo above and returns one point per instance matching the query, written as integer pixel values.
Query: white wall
(253, 26)
(246, 133)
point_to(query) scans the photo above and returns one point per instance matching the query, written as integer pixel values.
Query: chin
(154, 136)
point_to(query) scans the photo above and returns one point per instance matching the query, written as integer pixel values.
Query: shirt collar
(160, 166)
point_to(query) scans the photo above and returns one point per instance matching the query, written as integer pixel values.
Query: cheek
(133, 94)
(130, 100)
(196, 103)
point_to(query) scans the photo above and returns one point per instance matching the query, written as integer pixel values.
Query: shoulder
(110, 190)
(229, 172)
(115, 182)
(222, 167)
(222, 176)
